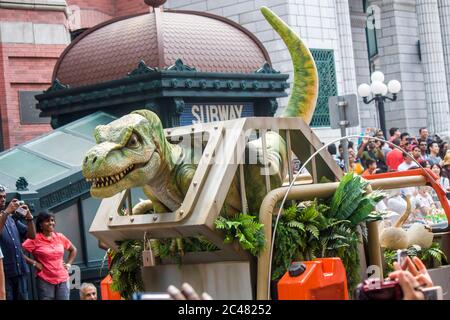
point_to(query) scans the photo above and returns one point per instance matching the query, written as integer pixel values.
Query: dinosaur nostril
(95, 159)
(85, 160)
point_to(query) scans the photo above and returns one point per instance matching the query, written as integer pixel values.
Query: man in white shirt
(407, 163)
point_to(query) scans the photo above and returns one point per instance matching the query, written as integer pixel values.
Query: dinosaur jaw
(107, 186)
(106, 181)
(130, 177)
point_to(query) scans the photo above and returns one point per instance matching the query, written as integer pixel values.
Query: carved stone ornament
(180, 66)
(179, 105)
(21, 184)
(141, 69)
(267, 68)
(57, 86)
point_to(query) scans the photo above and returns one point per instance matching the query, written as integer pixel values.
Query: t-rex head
(128, 154)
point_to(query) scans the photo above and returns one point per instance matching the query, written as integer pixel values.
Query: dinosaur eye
(133, 142)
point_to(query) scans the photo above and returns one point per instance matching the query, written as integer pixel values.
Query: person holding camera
(413, 280)
(48, 249)
(12, 233)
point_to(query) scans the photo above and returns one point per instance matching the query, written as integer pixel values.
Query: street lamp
(379, 90)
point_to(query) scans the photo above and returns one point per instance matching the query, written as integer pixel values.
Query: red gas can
(320, 279)
(107, 292)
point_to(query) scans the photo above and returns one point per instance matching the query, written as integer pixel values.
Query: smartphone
(401, 258)
(151, 296)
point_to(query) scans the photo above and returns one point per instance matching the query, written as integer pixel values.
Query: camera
(21, 212)
(379, 289)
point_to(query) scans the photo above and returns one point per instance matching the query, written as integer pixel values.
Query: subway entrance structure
(186, 66)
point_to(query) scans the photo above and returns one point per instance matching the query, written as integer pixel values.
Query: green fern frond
(297, 225)
(245, 229)
(290, 213)
(313, 230)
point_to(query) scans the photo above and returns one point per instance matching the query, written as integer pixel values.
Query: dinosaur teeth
(101, 182)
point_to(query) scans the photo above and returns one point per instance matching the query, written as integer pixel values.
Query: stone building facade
(410, 43)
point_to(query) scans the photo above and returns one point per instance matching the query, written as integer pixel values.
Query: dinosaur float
(133, 151)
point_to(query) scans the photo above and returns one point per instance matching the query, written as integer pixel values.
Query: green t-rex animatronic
(134, 152)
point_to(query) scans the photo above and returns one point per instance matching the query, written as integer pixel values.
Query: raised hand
(186, 293)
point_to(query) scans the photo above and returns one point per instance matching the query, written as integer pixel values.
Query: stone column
(398, 59)
(444, 13)
(346, 46)
(368, 113)
(433, 65)
(347, 55)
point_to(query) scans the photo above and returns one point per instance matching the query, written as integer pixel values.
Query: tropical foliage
(328, 228)
(297, 236)
(126, 268)
(245, 229)
(127, 261)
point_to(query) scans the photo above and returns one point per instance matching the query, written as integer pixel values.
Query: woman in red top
(48, 250)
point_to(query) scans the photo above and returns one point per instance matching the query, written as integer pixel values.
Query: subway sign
(209, 112)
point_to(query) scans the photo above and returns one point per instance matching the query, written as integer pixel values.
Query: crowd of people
(400, 152)
(372, 156)
(28, 242)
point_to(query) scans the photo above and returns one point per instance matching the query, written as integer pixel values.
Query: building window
(326, 69)
(29, 114)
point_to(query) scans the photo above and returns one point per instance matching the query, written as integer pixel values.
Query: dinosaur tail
(302, 101)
